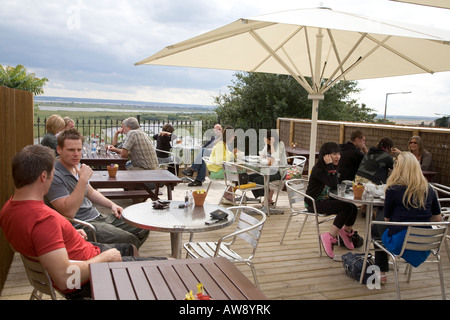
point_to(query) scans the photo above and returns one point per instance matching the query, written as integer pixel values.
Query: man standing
(137, 146)
(71, 195)
(352, 153)
(40, 233)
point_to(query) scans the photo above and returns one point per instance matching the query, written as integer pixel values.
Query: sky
(87, 49)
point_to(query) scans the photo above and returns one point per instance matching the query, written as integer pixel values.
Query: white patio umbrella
(320, 43)
(445, 4)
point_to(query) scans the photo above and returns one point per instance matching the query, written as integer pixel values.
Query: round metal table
(175, 220)
(348, 197)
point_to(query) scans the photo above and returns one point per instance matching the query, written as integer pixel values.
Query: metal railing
(189, 132)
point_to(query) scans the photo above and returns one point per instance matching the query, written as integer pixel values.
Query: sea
(102, 105)
(76, 104)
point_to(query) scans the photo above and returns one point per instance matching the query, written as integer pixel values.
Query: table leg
(176, 244)
(266, 208)
(369, 213)
(169, 191)
(153, 195)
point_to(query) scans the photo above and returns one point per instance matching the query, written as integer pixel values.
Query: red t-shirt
(34, 229)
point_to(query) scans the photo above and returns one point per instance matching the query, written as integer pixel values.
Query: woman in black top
(163, 142)
(323, 178)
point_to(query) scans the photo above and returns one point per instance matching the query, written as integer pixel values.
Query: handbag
(357, 240)
(353, 264)
(243, 178)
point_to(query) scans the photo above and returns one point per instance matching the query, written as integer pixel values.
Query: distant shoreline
(101, 105)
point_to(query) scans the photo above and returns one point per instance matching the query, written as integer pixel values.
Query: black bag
(243, 178)
(353, 264)
(357, 240)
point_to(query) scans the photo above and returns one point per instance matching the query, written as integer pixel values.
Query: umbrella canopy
(445, 4)
(320, 43)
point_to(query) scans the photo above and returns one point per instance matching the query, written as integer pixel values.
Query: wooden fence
(16, 131)
(436, 140)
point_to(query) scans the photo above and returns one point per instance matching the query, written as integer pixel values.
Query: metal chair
(420, 236)
(174, 162)
(296, 189)
(440, 189)
(39, 279)
(85, 224)
(297, 163)
(231, 172)
(248, 229)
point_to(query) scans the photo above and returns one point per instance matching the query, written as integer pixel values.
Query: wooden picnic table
(100, 160)
(170, 280)
(136, 183)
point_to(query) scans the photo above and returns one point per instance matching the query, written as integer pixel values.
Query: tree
(264, 97)
(18, 78)
(443, 122)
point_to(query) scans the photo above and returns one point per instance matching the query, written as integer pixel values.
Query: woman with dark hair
(415, 146)
(377, 163)
(163, 142)
(275, 154)
(323, 178)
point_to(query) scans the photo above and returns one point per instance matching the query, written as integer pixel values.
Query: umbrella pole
(313, 138)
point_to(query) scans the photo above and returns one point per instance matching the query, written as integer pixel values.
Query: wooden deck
(291, 271)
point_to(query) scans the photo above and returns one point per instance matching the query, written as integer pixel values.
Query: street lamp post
(385, 103)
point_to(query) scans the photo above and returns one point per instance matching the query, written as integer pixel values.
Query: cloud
(88, 48)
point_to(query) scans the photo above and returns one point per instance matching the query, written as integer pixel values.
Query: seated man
(137, 146)
(42, 234)
(199, 165)
(352, 153)
(71, 195)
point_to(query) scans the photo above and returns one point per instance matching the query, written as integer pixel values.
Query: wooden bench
(126, 194)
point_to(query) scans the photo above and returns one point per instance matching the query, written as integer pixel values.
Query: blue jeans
(199, 165)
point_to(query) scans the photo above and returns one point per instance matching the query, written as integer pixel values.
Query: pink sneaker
(346, 237)
(328, 241)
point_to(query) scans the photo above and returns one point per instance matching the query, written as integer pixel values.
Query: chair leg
(280, 185)
(285, 228)
(255, 277)
(397, 284)
(303, 225)
(441, 278)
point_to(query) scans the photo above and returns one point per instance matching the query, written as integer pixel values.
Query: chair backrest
(441, 188)
(298, 161)
(296, 190)
(39, 278)
(231, 172)
(425, 236)
(248, 227)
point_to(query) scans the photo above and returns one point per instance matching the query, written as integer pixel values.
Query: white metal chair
(440, 189)
(297, 163)
(39, 279)
(231, 171)
(296, 189)
(173, 161)
(420, 236)
(248, 229)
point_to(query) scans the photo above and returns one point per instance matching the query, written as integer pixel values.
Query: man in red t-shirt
(41, 233)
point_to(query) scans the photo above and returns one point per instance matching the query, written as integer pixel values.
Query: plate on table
(253, 158)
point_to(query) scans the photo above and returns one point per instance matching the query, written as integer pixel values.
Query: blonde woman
(409, 198)
(54, 125)
(415, 146)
